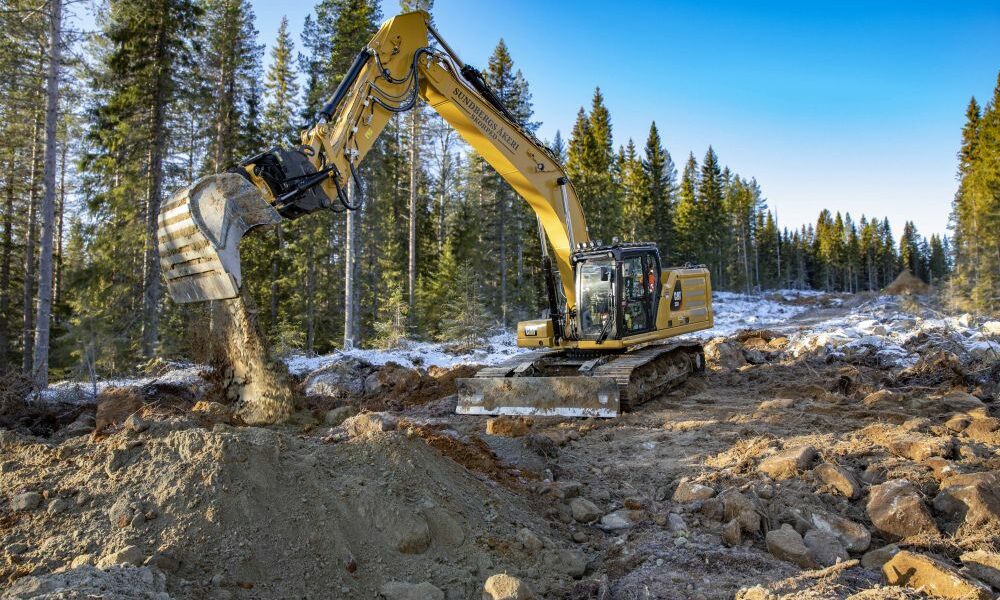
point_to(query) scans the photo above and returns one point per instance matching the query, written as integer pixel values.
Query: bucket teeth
(199, 233)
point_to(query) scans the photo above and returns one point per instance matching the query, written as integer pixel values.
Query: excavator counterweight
(609, 340)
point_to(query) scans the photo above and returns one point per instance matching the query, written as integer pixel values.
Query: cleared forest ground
(839, 434)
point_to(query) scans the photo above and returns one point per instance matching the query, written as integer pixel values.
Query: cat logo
(677, 297)
(531, 331)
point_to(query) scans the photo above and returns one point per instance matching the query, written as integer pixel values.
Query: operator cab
(616, 289)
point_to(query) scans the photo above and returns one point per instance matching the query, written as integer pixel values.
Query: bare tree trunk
(502, 235)
(151, 264)
(28, 305)
(8, 248)
(41, 359)
(414, 157)
(311, 300)
(350, 273)
(60, 220)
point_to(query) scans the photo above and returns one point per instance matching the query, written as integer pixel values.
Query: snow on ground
(498, 347)
(84, 392)
(739, 311)
(881, 326)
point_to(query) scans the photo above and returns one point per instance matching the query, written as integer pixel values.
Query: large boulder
(584, 510)
(897, 510)
(690, 491)
(720, 354)
(343, 379)
(736, 506)
(984, 566)
(824, 547)
(933, 577)
(854, 536)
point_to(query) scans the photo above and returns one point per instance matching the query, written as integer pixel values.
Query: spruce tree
(661, 182)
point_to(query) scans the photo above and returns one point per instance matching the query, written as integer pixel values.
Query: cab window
(596, 279)
(640, 280)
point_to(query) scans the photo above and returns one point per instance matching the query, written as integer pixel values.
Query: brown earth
(417, 500)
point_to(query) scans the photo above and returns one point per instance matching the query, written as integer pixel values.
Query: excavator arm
(200, 227)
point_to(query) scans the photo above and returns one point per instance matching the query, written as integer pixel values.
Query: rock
(135, 424)
(57, 506)
(786, 544)
(412, 535)
(506, 587)
(732, 533)
(570, 562)
(919, 448)
(788, 462)
(400, 590)
(874, 559)
(580, 537)
(720, 354)
(897, 510)
(985, 430)
(712, 509)
(529, 540)
(676, 522)
(162, 561)
(958, 423)
(129, 555)
(620, 519)
(508, 426)
(970, 501)
(824, 547)
(776, 404)
(369, 423)
(336, 416)
(854, 536)
(984, 566)
(343, 379)
(961, 402)
(941, 467)
(584, 510)
(25, 501)
(838, 478)
(121, 513)
(932, 576)
(689, 491)
(754, 357)
(883, 399)
(737, 506)
(81, 560)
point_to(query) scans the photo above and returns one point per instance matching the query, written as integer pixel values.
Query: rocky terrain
(843, 447)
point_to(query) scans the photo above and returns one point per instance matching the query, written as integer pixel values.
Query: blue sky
(852, 106)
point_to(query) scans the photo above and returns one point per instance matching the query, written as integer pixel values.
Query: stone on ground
(970, 500)
(984, 566)
(570, 562)
(919, 448)
(932, 576)
(690, 491)
(897, 510)
(584, 510)
(720, 354)
(129, 555)
(506, 587)
(25, 501)
(787, 463)
(825, 548)
(401, 590)
(336, 416)
(732, 533)
(874, 559)
(838, 478)
(371, 423)
(529, 540)
(737, 506)
(786, 544)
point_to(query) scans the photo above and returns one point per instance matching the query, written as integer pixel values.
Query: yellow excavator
(603, 346)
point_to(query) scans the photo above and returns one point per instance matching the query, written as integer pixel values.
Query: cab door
(640, 287)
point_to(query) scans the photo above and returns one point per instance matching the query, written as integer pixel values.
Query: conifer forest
(98, 127)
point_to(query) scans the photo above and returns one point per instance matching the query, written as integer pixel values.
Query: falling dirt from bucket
(258, 384)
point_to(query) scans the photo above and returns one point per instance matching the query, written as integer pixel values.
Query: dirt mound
(258, 509)
(907, 284)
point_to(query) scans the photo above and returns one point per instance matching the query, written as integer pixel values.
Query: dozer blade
(566, 396)
(199, 232)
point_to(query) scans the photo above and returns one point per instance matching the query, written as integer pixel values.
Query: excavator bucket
(565, 396)
(199, 233)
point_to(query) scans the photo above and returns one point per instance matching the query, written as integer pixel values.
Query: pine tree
(281, 88)
(686, 224)
(661, 182)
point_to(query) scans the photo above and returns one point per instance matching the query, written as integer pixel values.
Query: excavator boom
(608, 300)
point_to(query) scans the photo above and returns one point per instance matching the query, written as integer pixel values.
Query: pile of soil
(907, 284)
(261, 512)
